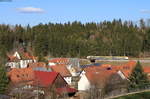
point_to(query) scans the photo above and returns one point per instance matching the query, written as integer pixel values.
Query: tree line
(75, 39)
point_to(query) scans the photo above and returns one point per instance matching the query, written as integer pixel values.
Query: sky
(33, 12)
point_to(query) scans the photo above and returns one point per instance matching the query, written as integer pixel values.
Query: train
(108, 57)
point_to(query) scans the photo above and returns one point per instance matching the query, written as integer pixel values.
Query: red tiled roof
(12, 58)
(36, 77)
(103, 67)
(37, 64)
(21, 75)
(127, 71)
(40, 78)
(99, 77)
(98, 74)
(146, 69)
(27, 55)
(129, 65)
(45, 78)
(105, 70)
(24, 55)
(62, 69)
(127, 68)
(106, 65)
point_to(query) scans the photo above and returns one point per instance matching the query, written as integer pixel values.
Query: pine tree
(3, 80)
(138, 79)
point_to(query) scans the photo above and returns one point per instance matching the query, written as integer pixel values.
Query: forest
(76, 39)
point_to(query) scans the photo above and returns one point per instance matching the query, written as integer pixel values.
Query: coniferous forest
(75, 39)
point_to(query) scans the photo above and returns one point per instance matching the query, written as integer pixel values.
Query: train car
(108, 57)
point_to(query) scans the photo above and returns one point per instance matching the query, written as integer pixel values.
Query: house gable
(16, 54)
(59, 82)
(84, 83)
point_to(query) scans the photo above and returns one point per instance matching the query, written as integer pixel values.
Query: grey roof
(42, 69)
(74, 62)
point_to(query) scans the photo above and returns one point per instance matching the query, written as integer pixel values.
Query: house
(72, 64)
(112, 78)
(98, 77)
(125, 68)
(43, 80)
(52, 81)
(20, 59)
(69, 68)
(64, 72)
(100, 74)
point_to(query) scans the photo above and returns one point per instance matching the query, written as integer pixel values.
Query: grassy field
(143, 95)
(121, 62)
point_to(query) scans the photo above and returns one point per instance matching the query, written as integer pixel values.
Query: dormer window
(108, 68)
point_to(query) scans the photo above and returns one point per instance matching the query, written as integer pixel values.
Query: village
(74, 49)
(65, 78)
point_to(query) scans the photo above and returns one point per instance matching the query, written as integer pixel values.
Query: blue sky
(43, 11)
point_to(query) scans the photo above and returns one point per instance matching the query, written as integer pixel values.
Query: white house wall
(51, 64)
(83, 83)
(13, 64)
(24, 63)
(82, 73)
